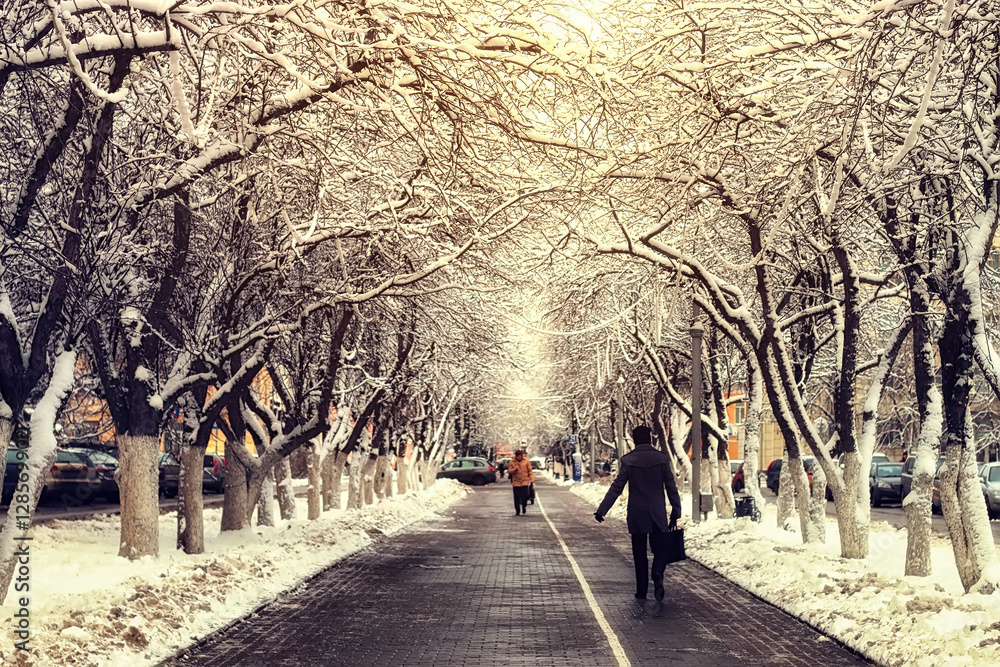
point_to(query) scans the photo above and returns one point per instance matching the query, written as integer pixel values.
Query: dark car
(105, 465)
(989, 480)
(884, 483)
(214, 477)
(170, 475)
(468, 470)
(774, 471)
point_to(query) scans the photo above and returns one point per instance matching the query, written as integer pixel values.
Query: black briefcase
(531, 493)
(675, 545)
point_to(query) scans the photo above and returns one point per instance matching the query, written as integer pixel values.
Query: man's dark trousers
(658, 544)
(521, 498)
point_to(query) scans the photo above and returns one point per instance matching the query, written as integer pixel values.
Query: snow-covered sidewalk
(90, 607)
(867, 604)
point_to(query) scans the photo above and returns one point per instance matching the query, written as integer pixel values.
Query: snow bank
(90, 607)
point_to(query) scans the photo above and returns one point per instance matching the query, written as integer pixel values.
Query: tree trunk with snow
(326, 480)
(191, 503)
(786, 495)
(917, 503)
(817, 505)
(383, 480)
(236, 503)
(265, 502)
(314, 494)
(6, 432)
(286, 489)
(337, 475)
(355, 481)
(426, 473)
(138, 485)
(402, 474)
(368, 479)
(20, 513)
(962, 501)
(800, 483)
(751, 436)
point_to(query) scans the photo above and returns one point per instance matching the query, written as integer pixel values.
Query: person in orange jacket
(521, 478)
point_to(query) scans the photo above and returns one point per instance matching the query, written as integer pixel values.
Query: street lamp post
(696, 333)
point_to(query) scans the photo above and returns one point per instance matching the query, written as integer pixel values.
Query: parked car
(71, 479)
(105, 465)
(215, 473)
(876, 458)
(538, 463)
(170, 475)
(468, 470)
(738, 482)
(989, 480)
(884, 483)
(212, 479)
(774, 471)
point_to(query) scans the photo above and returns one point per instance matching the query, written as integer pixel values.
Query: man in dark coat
(647, 473)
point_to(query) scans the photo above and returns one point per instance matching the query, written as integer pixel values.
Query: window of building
(739, 413)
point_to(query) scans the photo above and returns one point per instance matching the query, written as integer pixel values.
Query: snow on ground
(867, 604)
(90, 607)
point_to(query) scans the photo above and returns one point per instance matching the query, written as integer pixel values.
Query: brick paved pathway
(480, 586)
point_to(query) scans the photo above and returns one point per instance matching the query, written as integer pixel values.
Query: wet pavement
(481, 586)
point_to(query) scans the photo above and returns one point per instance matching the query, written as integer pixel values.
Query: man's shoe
(640, 597)
(658, 587)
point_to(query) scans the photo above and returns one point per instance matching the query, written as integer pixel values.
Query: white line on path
(616, 646)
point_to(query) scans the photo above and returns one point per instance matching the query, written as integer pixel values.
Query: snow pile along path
(867, 604)
(90, 607)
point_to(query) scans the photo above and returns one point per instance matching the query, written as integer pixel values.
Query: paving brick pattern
(480, 586)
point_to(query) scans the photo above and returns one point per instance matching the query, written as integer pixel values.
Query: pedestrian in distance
(647, 473)
(521, 478)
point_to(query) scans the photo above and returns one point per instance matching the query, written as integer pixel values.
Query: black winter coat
(647, 472)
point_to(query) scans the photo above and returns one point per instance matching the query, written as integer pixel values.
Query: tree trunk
(191, 507)
(751, 437)
(368, 479)
(265, 502)
(917, 503)
(339, 461)
(382, 478)
(786, 495)
(19, 515)
(6, 431)
(853, 532)
(286, 489)
(402, 475)
(390, 487)
(817, 505)
(326, 479)
(800, 482)
(354, 482)
(314, 494)
(962, 500)
(235, 504)
(138, 478)
(428, 473)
